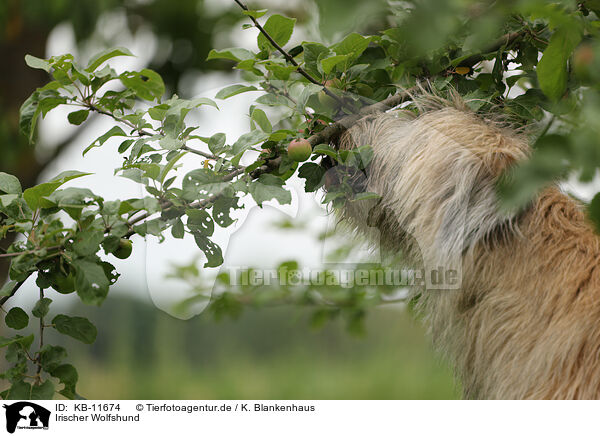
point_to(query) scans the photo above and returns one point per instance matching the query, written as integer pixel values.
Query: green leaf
(51, 356)
(22, 340)
(247, 140)
(41, 308)
(67, 375)
(280, 28)
(78, 117)
(199, 221)
(147, 84)
(16, 318)
(328, 64)
(552, 67)
(178, 230)
(255, 13)
(594, 211)
(105, 55)
(212, 251)
(34, 195)
(326, 149)
(91, 282)
(29, 114)
(352, 45)
(261, 120)
(8, 288)
(169, 166)
(216, 143)
(45, 391)
(37, 63)
(203, 101)
(6, 200)
(232, 90)
(221, 210)
(201, 182)
(19, 390)
(25, 341)
(365, 196)
(269, 187)
(114, 131)
(314, 174)
(9, 184)
(77, 327)
(170, 143)
(312, 53)
(234, 54)
(88, 242)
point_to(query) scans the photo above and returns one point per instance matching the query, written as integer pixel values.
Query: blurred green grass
(143, 353)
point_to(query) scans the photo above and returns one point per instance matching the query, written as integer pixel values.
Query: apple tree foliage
(537, 63)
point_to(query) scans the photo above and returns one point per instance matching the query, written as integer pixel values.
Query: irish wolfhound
(524, 321)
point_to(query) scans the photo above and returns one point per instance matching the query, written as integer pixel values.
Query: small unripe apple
(124, 250)
(299, 150)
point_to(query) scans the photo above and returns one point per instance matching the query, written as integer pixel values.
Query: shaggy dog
(524, 320)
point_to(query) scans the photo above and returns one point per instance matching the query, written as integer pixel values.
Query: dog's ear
(503, 152)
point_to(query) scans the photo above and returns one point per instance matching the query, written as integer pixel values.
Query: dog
(524, 321)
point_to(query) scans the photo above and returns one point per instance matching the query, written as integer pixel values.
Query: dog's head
(436, 175)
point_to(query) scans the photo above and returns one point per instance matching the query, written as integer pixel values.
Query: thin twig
(39, 356)
(143, 132)
(290, 58)
(6, 255)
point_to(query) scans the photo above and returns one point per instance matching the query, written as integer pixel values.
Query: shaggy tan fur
(525, 321)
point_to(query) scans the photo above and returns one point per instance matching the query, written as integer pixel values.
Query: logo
(26, 415)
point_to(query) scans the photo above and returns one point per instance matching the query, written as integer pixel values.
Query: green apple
(124, 250)
(299, 150)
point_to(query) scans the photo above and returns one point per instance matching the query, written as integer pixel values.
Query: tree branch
(319, 138)
(143, 132)
(338, 127)
(289, 57)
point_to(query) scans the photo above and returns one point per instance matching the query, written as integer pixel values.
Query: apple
(124, 250)
(299, 150)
